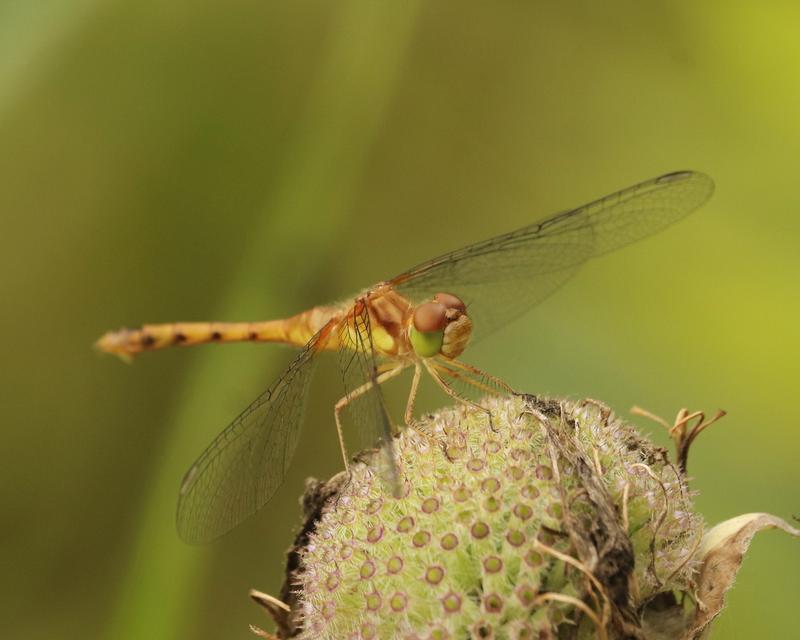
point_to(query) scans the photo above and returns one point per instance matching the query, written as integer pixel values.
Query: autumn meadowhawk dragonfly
(423, 319)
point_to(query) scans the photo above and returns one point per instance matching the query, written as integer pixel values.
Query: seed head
(553, 519)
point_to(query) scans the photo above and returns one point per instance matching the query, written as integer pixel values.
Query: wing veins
(270, 433)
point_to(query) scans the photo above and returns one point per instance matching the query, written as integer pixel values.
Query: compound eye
(430, 316)
(450, 301)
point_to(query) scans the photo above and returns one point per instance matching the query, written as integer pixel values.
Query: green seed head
(554, 518)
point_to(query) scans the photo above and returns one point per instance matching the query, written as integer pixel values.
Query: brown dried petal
(722, 552)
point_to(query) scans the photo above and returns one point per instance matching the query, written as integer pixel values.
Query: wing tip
(687, 175)
(702, 183)
(676, 176)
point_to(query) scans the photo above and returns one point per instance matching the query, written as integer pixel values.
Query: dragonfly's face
(440, 326)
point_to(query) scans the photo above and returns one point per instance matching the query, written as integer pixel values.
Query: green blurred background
(189, 160)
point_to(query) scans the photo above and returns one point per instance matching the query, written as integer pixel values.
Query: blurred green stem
(324, 164)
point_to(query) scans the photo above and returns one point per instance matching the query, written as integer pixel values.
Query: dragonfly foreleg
(452, 392)
(355, 393)
(495, 381)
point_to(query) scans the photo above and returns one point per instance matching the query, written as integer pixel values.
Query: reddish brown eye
(430, 316)
(450, 301)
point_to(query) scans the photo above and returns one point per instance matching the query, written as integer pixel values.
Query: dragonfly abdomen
(296, 331)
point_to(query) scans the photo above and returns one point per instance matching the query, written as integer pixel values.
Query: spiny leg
(478, 372)
(453, 393)
(412, 397)
(482, 386)
(474, 377)
(359, 391)
(386, 366)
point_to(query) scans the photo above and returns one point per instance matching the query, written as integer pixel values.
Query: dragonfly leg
(386, 366)
(486, 388)
(453, 393)
(474, 377)
(340, 434)
(355, 393)
(409, 418)
(497, 382)
(412, 397)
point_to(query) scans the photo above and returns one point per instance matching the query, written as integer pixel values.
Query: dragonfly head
(440, 326)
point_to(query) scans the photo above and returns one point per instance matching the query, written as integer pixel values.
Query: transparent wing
(503, 277)
(246, 463)
(366, 408)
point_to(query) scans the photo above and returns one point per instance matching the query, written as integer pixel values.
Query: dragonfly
(423, 319)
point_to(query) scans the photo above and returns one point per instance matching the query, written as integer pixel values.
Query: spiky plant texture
(553, 519)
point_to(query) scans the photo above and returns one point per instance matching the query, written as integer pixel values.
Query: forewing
(246, 463)
(366, 407)
(503, 277)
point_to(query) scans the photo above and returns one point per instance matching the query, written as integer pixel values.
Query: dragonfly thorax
(440, 326)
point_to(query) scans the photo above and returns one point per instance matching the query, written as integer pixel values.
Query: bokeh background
(188, 160)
